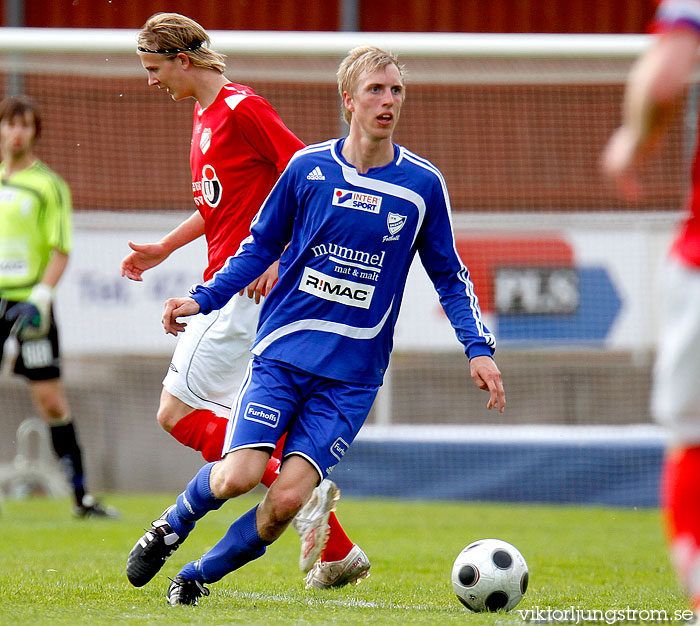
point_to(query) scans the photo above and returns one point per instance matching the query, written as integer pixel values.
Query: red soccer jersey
(239, 148)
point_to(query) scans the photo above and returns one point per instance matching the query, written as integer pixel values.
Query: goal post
(315, 44)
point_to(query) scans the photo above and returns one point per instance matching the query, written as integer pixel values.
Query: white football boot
(349, 571)
(311, 523)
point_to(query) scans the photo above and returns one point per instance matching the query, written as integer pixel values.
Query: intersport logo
(345, 292)
(356, 200)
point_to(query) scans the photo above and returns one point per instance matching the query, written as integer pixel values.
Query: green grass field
(60, 570)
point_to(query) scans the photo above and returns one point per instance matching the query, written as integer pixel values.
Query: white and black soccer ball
(490, 575)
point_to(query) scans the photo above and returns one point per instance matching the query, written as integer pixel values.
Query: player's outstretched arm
(487, 376)
(145, 256)
(174, 308)
(657, 79)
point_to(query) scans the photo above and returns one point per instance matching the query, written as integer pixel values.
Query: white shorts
(675, 400)
(212, 355)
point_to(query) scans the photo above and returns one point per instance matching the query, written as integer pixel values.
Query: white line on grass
(350, 603)
(354, 603)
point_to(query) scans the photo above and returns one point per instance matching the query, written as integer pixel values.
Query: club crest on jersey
(205, 140)
(345, 292)
(356, 200)
(394, 222)
(262, 414)
(211, 187)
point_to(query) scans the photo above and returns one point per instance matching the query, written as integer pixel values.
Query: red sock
(272, 471)
(681, 496)
(339, 544)
(202, 430)
(277, 454)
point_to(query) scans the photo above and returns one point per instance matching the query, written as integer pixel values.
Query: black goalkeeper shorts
(38, 359)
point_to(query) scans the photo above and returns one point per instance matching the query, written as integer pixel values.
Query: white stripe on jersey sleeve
(463, 275)
(315, 147)
(234, 100)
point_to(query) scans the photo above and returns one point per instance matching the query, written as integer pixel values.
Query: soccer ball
(490, 575)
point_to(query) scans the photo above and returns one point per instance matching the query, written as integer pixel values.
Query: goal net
(565, 271)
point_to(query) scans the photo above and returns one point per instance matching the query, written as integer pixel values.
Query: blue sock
(194, 503)
(240, 545)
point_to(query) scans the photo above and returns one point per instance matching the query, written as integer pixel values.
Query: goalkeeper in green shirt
(35, 241)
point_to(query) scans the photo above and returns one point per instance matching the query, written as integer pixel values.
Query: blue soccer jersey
(352, 238)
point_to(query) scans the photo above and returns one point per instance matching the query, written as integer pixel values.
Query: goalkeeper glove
(33, 316)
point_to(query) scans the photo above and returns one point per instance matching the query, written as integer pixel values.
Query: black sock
(65, 444)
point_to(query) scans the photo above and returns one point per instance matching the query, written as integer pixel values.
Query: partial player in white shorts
(676, 391)
(211, 356)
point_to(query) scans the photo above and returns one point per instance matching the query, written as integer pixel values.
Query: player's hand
(261, 286)
(174, 308)
(619, 163)
(144, 257)
(33, 316)
(487, 376)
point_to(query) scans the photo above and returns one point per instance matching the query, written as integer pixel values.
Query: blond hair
(358, 61)
(170, 34)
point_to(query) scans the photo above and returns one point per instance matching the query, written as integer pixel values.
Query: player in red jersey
(239, 147)
(657, 81)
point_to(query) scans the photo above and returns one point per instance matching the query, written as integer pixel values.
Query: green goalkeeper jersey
(35, 218)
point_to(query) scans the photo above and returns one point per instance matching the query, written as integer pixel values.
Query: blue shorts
(321, 416)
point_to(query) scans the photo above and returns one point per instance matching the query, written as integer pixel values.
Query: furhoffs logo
(262, 414)
(339, 448)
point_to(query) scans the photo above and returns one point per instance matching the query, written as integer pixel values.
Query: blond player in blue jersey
(35, 242)
(354, 211)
